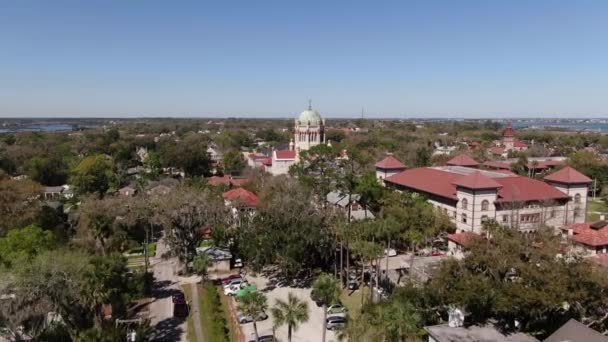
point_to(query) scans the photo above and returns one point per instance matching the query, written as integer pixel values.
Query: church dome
(310, 116)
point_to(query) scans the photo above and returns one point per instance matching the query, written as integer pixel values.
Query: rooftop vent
(599, 225)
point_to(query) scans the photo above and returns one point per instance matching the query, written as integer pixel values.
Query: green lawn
(214, 316)
(189, 325)
(353, 302)
(593, 207)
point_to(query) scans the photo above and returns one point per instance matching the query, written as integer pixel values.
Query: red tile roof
(462, 160)
(390, 162)
(226, 180)
(568, 175)
(243, 196)
(584, 234)
(476, 180)
(518, 143)
(439, 181)
(267, 161)
(464, 238)
(498, 165)
(497, 150)
(285, 154)
(216, 180)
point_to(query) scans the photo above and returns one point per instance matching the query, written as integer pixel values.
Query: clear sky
(267, 58)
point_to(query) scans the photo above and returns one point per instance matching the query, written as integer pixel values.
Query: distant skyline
(457, 59)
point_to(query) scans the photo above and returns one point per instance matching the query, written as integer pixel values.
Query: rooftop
(574, 330)
(285, 154)
(568, 175)
(590, 234)
(390, 162)
(440, 181)
(488, 333)
(477, 180)
(243, 196)
(462, 160)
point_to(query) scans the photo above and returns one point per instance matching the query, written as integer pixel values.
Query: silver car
(242, 318)
(336, 322)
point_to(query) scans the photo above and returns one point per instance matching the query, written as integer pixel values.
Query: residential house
(574, 331)
(340, 201)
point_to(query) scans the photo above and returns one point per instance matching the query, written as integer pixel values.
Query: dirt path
(196, 314)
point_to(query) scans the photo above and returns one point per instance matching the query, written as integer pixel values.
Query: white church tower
(309, 130)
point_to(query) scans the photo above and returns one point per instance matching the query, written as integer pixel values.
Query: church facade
(309, 131)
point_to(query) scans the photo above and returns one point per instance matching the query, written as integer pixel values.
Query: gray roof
(214, 253)
(487, 333)
(361, 214)
(340, 199)
(574, 331)
(53, 189)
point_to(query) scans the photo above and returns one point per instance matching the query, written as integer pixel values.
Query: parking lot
(310, 331)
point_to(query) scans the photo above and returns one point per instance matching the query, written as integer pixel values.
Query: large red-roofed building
(471, 196)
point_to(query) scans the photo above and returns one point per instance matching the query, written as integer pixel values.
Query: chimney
(570, 231)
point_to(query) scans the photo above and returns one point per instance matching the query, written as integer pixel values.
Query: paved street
(166, 328)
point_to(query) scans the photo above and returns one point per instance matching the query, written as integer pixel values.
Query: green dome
(310, 116)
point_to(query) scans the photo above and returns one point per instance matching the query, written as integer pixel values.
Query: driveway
(166, 328)
(310, 331)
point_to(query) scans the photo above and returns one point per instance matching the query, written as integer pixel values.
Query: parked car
(178, 297)
(336, 309)
(242, 318)
(238, 263)
(335, 322)
(230, 277)
(391, 252)
(235, 281)
(231, 290)
(180, 309)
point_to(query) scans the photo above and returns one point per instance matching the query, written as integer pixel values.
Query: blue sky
(267, 58)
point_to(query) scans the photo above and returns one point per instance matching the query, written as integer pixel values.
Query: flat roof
(487, 333)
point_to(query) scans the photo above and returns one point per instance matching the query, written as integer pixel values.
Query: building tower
(508, 138)
(309, 129)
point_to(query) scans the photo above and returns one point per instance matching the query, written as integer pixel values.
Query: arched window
(464, 218)
(465, 204)
(485, 205)
(577, 198)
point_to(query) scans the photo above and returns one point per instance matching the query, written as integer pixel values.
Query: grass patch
(190, 334)
(140, 250)
(233, 326)
(593, 207)
(213, 314)
(353, 302)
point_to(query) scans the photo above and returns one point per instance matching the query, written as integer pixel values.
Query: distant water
(38, 128)
(571, 126)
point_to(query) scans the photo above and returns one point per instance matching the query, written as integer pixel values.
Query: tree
(233, 163)
(183, 213)
(316, 169)
(520, 167)
(200, 263)
(50, 171)
(292, 313)
(93, 174)
(518, 278)
(24, 244)
(326, 289)
(423, 156)
(189, 154)
(252, 305)
(19, 205)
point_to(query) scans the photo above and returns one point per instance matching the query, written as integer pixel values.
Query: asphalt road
(166, 328)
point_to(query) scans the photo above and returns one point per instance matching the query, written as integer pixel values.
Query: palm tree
(327, 290)
(292, 312)
(253, 304)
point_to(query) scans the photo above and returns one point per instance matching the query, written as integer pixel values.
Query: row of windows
(485, 205)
